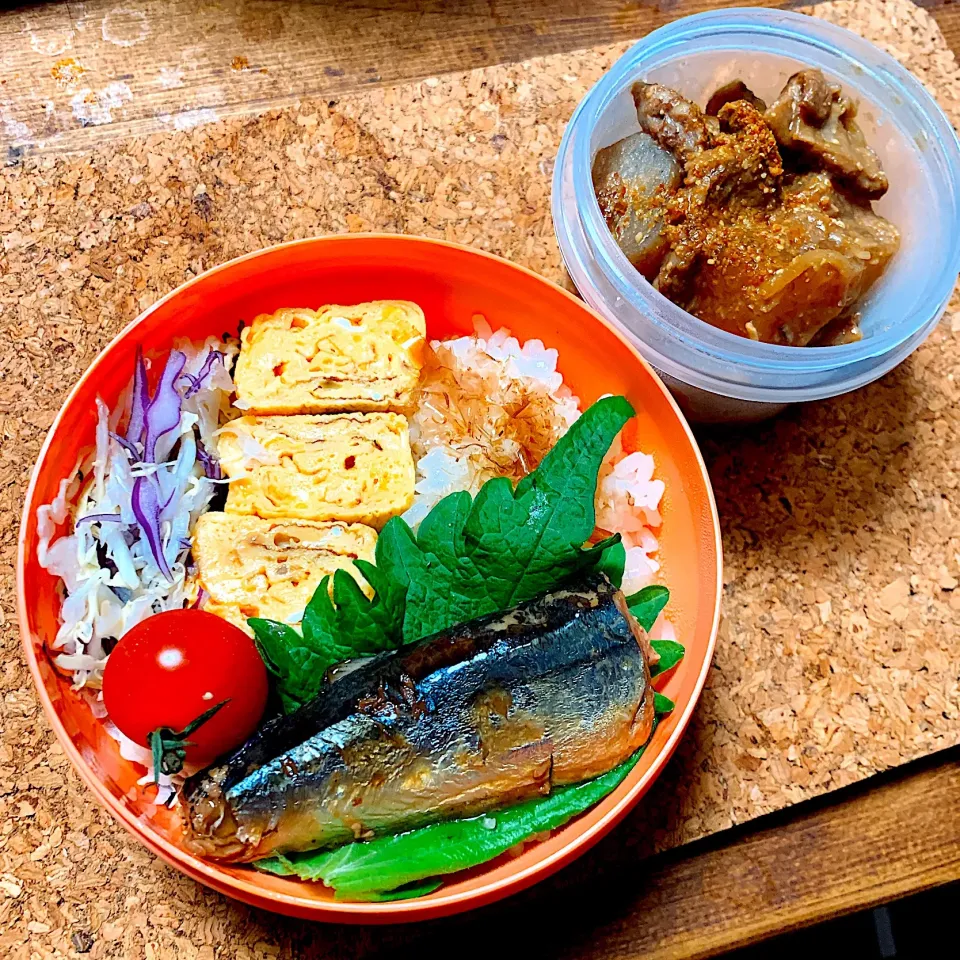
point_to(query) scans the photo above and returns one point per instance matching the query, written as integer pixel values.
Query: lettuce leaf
(368, 870)
(406, 864)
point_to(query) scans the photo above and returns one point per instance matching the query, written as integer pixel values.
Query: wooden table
(894, 836)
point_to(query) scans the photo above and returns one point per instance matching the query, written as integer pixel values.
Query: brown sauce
(757, 220)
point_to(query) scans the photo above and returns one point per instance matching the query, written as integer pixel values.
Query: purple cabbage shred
(138, 408)
(146, 508)
(127, 445)
(211, 465)
(150, 419)
(163, 414)
(203, 374)
(99, 518)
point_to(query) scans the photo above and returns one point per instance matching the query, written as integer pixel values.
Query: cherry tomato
(170, 670)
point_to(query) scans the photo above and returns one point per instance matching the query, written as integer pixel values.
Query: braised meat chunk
(782, 273)
(812, 118)
(756, 220)
(679, 126)
(730, 93)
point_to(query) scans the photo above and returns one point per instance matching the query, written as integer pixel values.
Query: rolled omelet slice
(249, 567)
(354, 467)
(362, 357)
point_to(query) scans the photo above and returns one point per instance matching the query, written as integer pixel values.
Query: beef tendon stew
(755, 218)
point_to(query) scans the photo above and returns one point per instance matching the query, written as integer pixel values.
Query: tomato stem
(169, 747)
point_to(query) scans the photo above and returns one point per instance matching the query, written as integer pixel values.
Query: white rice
(470, 386)
(488, 407)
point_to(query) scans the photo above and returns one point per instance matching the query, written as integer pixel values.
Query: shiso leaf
(363, 870)
(662, 705)
(613, 562)
(293, 662)
(509, 545)
(647, 603)
(671, 653)
(351, 626)
(470, 557)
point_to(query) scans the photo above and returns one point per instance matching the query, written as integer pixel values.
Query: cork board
(838, 652)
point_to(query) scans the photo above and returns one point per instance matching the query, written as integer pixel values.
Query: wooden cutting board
(839, 647)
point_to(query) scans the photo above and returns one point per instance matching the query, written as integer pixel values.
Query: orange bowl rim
(337, 911)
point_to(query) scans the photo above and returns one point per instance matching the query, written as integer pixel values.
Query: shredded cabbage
(126, 557)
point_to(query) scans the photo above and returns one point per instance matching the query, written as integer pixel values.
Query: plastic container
(715, 375)
(452, 284)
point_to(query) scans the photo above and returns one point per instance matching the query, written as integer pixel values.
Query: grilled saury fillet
(480, 716)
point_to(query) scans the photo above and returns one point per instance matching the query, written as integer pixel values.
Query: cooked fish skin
(554, 691)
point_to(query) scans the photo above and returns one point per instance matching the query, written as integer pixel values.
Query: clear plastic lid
(902, 123)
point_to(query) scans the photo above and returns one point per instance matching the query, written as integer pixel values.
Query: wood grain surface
(90, 242)
(821, 859)
(780, 873)
(76, 74)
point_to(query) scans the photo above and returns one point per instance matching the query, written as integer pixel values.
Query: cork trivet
(839, 649)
